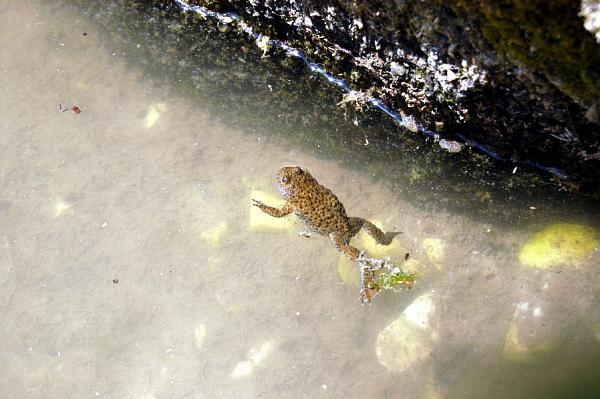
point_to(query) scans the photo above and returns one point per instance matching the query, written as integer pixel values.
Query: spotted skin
(321, 211)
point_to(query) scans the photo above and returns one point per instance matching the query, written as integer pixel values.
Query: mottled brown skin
(320, 210)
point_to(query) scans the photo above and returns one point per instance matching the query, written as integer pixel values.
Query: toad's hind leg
(342, 246)
(379, 236)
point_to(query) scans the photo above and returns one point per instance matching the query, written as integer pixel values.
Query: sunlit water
(132, 265)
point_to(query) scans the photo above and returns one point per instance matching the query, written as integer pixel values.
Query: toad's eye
(284, 179)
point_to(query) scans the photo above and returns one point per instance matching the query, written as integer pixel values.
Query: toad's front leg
(275, 212)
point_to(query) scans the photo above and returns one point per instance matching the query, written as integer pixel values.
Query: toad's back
(318, 207)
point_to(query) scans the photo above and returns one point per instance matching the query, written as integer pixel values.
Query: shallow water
(130, 267)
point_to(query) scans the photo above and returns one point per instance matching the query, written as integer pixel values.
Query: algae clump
(393, 279)
(559, 244)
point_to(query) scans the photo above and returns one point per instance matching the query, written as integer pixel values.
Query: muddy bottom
(133, 264)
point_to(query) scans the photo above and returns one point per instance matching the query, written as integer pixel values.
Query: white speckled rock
(408, 339)
(590, 11)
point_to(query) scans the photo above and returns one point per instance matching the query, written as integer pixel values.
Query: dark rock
(515, 76)
(431, 62)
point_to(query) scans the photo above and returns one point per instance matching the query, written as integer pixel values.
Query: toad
(321, 211)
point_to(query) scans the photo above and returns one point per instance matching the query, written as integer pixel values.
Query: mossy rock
(560, 244)
(546, 36)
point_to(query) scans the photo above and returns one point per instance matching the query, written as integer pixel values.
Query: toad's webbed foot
(389, 236)
(368, 286)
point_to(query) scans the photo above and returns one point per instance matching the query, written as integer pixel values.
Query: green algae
(395, 279)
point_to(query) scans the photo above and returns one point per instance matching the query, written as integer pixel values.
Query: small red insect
(74, 108)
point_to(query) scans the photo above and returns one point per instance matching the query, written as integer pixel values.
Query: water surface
(130, 267)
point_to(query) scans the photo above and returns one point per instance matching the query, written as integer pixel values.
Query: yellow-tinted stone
(214, 235)
(200, 335)
(61, 208)
(513, 349)
(260, 221)
(255, 358)
(559, 244)
(517, 351)
(434, 249)
(412, 266)
(408, 339)
(153, 113)
(349, 272)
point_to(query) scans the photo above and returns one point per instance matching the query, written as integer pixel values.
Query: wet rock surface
(520, 78)
(531, 133)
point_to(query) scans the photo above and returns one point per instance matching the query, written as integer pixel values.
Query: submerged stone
(560, 244)
(215, 234)
(255, 357)
(153, 114)
(348, 272)
(525, 340)
(434, 249)
(200, 333)
(407, 340)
